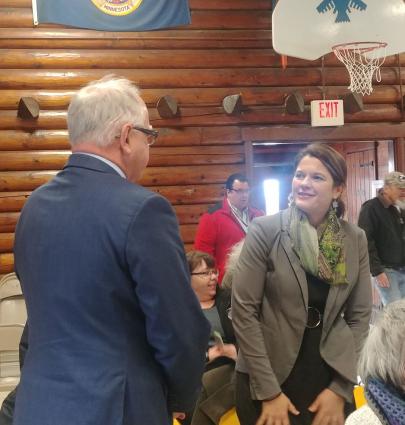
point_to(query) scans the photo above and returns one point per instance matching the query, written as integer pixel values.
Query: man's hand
(275, 412)
(382, 280)
(328, 408)
(179, 415)
(224, 350)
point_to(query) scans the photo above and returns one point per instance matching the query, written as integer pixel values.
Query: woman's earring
(335, 204)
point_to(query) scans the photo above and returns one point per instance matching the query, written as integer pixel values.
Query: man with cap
(383, 220)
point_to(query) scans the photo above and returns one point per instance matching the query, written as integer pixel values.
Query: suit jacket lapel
(293, 258)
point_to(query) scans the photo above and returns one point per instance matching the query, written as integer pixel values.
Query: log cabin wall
(226, 50)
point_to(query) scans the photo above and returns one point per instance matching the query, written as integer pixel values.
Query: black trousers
(249, 410)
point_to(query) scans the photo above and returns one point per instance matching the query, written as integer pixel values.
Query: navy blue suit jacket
(117, 336)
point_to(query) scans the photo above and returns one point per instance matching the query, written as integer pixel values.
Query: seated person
(382, 369)
(7, 408)
(217, 395)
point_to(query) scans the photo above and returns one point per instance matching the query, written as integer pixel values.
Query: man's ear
(124, 138)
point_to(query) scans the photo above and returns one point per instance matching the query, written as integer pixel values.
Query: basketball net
(362, 60)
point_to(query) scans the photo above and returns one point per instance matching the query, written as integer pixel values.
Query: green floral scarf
(321, 251)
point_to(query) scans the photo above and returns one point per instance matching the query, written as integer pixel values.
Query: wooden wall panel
(226, 50)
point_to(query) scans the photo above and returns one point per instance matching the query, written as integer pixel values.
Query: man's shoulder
(216, 208)
(371, 204)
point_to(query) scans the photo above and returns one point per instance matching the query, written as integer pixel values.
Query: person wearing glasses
(301, 302)
(227, 222)
(383, 220)
(101, 264)
(217, 395)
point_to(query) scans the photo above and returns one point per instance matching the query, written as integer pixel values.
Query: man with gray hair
(103, 271)
(383, 220)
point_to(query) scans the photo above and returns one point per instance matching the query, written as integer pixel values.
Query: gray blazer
(270, 302)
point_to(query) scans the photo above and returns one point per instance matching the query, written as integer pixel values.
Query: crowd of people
(269, 314)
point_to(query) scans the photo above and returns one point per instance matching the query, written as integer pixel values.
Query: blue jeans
(396, 290)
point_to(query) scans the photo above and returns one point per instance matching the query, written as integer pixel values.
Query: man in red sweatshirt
(226, 223)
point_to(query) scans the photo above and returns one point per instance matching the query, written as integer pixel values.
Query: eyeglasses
(240, 191)
(151, 133)
(207, 273)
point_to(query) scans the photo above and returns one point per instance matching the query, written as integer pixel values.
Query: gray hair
(231, 263)
(383, 355)
(98, 111)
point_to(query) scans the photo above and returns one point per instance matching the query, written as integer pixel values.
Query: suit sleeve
(176, 328)
(357, 314)
(368, 223)
(246, 308)
(206, 236)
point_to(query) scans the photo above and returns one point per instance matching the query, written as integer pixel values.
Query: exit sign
(327, 112)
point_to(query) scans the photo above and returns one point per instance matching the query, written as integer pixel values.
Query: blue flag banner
(113, 15)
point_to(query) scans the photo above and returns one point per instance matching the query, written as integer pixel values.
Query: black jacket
(223, 305)
(385, 229)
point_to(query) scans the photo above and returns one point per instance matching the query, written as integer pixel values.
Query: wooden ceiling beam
(301, 133)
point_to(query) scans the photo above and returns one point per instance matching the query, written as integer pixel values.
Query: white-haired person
(382, 369)
(101, 265)
(231, 264)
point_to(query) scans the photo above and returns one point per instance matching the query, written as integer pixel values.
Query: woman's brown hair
(195, 258)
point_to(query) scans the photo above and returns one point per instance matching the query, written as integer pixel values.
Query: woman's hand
(382, 280)
(222, 350)
(275, 411)
(328, 408)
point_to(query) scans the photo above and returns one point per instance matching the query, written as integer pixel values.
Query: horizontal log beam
(18, 79)
(68, 38)
(371, 131)
(6, 242)
(12, 140)
(192, 194)
(210, 116)
(6, 263)
(13, 17)
(12, 201)
(275, 115)
(163, 59)
(8, 220)
(190, 214)
(188, 247)
(140, 59)
(55, 160)
(61, 33)
(186, 214)
(200, 174)
(11, 181)
(187, 232)
(252, 96)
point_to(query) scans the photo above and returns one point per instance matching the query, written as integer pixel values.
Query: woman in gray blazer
(301, 302)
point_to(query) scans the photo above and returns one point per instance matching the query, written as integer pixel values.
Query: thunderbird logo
(341, 7)
(117, 7)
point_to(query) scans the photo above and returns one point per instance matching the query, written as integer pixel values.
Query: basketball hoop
(361, 59)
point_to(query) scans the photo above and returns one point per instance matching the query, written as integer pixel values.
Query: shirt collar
(105, 160)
